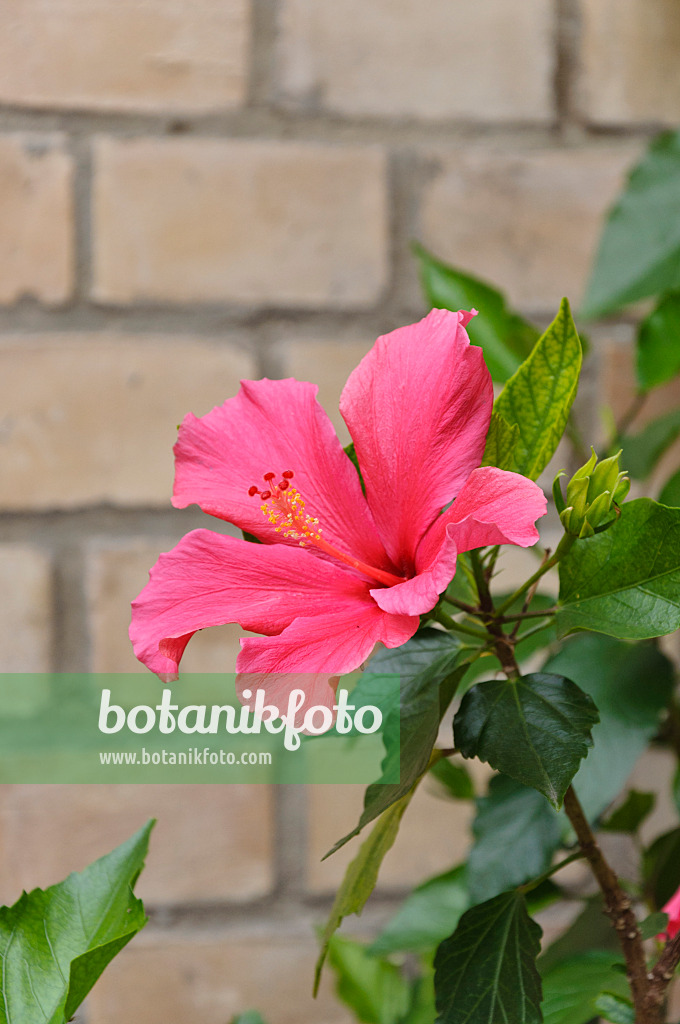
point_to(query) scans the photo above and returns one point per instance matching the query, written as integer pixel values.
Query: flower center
(284, 507)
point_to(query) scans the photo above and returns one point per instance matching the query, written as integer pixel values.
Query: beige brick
(174, 980)
(116, 572)
(36, 213)
(528, 222)
(211, 843)
(327, 362)
(631, 72)
(206, 220)
(153, 55)
(25, 624)
(487, 61)
(92, 418)
(335, 810)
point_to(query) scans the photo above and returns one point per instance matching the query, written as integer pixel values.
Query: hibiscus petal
(274, 426)
(418, 408)
(421, 593)
(494, 507)
(319, 691)
(330, 643)
(210, 579)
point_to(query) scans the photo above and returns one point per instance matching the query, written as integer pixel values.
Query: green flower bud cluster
(593, 495)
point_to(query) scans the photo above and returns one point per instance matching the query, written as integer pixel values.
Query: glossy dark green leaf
(616, 1009)
(631, 685)
(661, 867)
(653, 925)
(505, 337)
(642, 451)
(570, 989)
(485, 973)
(626, 581)
(632, 812)
(501, 443)
(538, 397)
(639, 252)
(54, 944)
(535, 729)
(429, 667)
(427, 916)
(373, 988)
(658, 344)
(670, 492)
(516, 833)
(361, 876)
(591, 930)
(454, 779)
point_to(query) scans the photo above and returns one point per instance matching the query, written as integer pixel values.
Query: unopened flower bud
(593, 496)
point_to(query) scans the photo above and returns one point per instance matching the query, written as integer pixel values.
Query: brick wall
(193, 191)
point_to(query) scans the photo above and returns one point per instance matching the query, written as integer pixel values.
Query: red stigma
(252, 491)
(283, 486)
(266, 495)
(269, 476)
(288, 475)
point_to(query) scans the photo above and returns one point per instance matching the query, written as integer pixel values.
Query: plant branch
(562, 548)
(535, 882)
(445, 620)
(545, 614)
(630, 414)
(618, 907)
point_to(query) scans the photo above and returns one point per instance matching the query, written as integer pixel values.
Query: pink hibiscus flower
(336, 572)
(672, 908)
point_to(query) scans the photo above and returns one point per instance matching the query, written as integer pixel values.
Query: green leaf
(427, 916)
(454, 778)
(361, 876)
(571, 989)
(485, 973)
(536, 729)
(374, 989)
(658, 344)
(591, 930)
(632, 812)
(642, 451)
(429, 666)
(631, 685)
(422, 1009)
(661, 867)
(539, 396)
(501, 443)
(516, 834)
(352, 456)
(249, 1017)
(670, 492)
(653, 924)
(615, 1008)
(639, 252)
(626, 581)
(506, 338)
(55, 943)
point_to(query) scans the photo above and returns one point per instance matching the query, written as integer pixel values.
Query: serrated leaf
(538, 397)
(639, 252)
(661, 867)
(632, 812)
(658, 344)
(653, 925)
(670, 492)
(429, 671)
(485, 973)
(505, 337)
(501, 442)
(361, 875)
(626, 581)
(427, 916)
(55, 943)
(512, 817)
(631, 685)
(642, 451)
(571, 988)
(615, 1008)
(374, 989)
(536, 729)
(454, 779)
